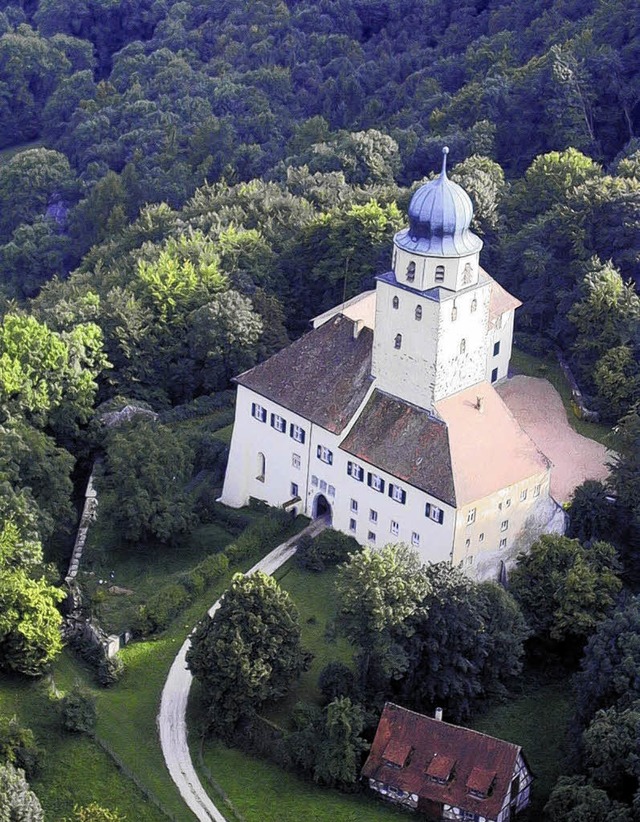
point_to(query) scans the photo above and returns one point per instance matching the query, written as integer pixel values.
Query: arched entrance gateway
(321, 508)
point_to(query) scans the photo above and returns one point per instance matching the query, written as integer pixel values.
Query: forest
(183, 185)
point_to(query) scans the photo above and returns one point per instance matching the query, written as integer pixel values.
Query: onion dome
(440, 214)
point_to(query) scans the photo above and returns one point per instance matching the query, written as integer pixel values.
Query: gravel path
(538, 407)
(171, 719)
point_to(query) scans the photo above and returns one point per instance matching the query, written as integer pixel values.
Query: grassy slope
(549, 369)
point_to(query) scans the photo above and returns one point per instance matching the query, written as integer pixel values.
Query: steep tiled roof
(500, 301)
(404, 441)
(446, 762)
(323, 376)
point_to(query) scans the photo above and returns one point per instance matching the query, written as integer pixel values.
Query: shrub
(328, 548)
(193, 581)
(213, 567)
(336, 679)
(157, 613)
(18, 746)
(78, 710)
(110, 670)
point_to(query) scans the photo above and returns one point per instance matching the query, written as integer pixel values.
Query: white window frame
(471, 516)
(325, 454)
(536, 490)
(503, 542)
(376, 482)
(523, 495)
(394, 528)
(355, 471)
(373, 515)
(415, 539)
(258, 412)
(371, 536)
(331, 490)
(295, 489)
(504, 525)
(296, 461)
(397, 493)
(353, 525)
(314, 481)
(297, 433)
(434, 513)
(279, 423)
(353, 506)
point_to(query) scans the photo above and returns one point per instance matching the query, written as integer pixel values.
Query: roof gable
(448, 764)
(323, 376)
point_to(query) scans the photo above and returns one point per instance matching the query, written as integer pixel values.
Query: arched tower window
(463, 346)
(397, 343)
(395, 302)
(454, 313)
(439, 273)
(418, 312)
(467, 274)
(474, 305)
(262, 466)
(411, 272)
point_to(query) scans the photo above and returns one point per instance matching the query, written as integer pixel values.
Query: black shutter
(330, 455)
(440, 516)
(427, 509)
(391, 489)
(303, 435)
(253, 409)
(382, 486)
(319, 451)
(350, 469)
(369, 479)
(404, 497)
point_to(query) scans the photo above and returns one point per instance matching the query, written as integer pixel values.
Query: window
(397, 343)
(415, 539)
(508, 503)
(536, 491)
(418, 312)
(471, 516)
(467, 543)
(294, 489)
(411, 272)
(434, 513)
(354, 506)
(323, 485)
(258, 412)
(371, 536)
(352, 525)
(262, 467)
(496, 348)
(463, 346)
(375, 482)
(398, 494)
(355, 471)
(503, 542)
(494, 375)
(373, 515)
(523, 495)
(324, 454)
(474, 305)
(395, 302)
(454, 314)
(395, 528)
(469, 561)
(331, 491)
(314, 481)
(439, 273)
(467, 274)
(504, 524)
(296, 462)
(279, 423)
(481, 537)
(296, 433)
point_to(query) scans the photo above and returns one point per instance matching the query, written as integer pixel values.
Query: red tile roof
(466, 759)
(500, 301)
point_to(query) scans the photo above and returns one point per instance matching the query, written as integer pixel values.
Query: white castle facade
(385, 418)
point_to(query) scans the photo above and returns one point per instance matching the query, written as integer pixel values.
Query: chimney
(357, 328)
(438, 714)
(480, 404)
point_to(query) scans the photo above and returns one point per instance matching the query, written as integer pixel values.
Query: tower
(432, 308)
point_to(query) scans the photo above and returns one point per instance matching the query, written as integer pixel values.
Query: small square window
(296, 433)
(296, 461)
(536, 491)
(279, 423)
(373, 515)
(494, 375)
(471, 516)
(314, 481)
(415, 539)
(355, 471)
(324, 454)
(439, 273)
(352, 525)
(323, 485)
(503, 542)
(258, 412)
(371, 536)
(481, 537)
(496, 348)
(523, 495)
(331, 490)
(354, 506)
(294, 489)
(395, 528)
(504, 524)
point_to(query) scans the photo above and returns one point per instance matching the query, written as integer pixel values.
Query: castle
(384, 417)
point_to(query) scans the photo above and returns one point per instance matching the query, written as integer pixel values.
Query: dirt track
(538, 408)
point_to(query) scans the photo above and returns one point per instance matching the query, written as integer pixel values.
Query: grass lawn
(537, 722)
(75, 769)
(549, 369)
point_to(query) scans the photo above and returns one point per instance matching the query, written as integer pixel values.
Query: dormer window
(411, 272)
(480, 783)
(395, 302)
(397, 343)
(439, 273)
(440, 769)
(397, 754)
(418, 312)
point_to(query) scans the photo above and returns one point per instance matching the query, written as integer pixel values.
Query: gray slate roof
(323, 376)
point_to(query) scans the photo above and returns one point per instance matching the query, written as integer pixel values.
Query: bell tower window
(411, 272)
(418, 312)
(463, 346)
(395, 302)
(439, 273)
(397, 343)
(467, 274)
(454, 314)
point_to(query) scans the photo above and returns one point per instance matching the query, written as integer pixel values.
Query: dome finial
(445, 151)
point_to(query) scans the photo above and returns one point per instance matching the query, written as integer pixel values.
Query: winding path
(171, 719)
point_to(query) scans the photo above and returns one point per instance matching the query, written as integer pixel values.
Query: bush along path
(172, 721)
